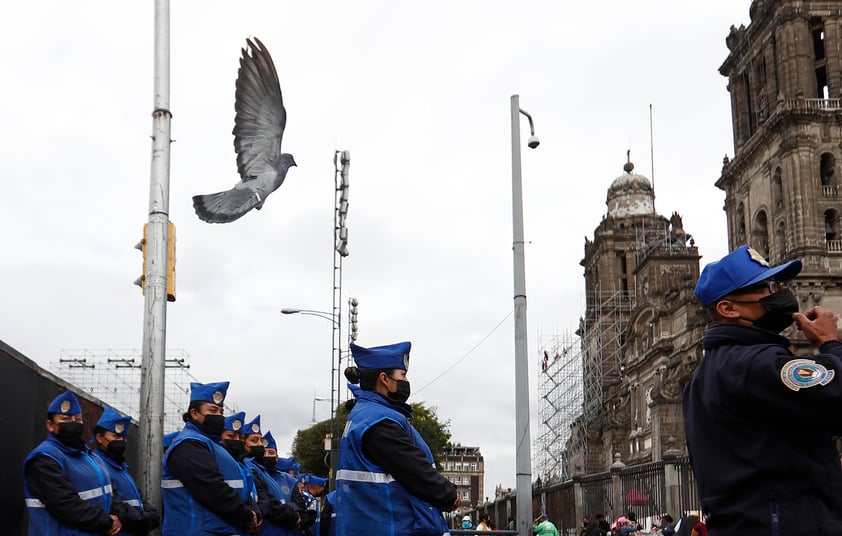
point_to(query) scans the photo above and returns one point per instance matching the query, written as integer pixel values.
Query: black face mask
(779, 308)
(402, 394)
(116, 449)
(270, 463)
(257, 452)
(70, 434)
(213, 425)
(235, 447)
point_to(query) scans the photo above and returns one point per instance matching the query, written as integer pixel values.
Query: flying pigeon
(258, 129)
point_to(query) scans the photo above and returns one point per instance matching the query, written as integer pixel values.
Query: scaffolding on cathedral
(573, 386)
(113, 376)
(560, 389)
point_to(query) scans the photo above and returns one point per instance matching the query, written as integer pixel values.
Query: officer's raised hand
(818, 324)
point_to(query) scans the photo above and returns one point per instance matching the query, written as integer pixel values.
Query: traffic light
(352, 318)
(142, 246)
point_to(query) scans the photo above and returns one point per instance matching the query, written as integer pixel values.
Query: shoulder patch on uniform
(799, 374)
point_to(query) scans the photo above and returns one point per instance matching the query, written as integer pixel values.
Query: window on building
(831, 225)
(760, 234)
(466, 495)
(458, 466)
(780, 243)
(450, 466)
(474, 467)
(777, 189)
(457, 479)
(820, 63)
(827, 169)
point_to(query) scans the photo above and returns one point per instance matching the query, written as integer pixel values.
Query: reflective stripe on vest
(364, 476)
(94, 493)
(169, 484)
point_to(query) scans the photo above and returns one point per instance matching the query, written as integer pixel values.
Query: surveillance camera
(533, 142)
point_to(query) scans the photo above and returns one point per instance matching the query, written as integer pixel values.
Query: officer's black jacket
(387, 445)
(47, 481)
(762, 453)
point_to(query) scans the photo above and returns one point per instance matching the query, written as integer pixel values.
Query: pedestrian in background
(542, 526)
(760, 420)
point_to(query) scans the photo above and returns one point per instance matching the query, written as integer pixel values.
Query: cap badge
(803, 373)
(255, 428)
(406, 361)
(217, 397)
(65, 406)
(758, 258)
(265, 442)
(119, 427)
(237, 424)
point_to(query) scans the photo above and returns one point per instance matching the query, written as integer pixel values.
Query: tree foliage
(308, 445)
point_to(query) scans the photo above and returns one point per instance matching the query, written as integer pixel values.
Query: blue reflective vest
(183, 515)
(275, 492)
(368, 500)
(121, 480)
(85, 473)
(287, 483)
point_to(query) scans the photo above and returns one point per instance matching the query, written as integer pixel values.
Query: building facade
(640, 335)
(640, 331)
(465, 467)
(782, 186)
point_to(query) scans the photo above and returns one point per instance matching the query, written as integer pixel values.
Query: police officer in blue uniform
(759, 420)
(314, 487)
(282, 470)
(280, 518)
(387, 482)
(68, 491)
(203, 487)
(110, 433)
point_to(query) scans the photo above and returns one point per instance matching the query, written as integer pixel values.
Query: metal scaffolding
(577, 372)
(560, 389)
(113, 376)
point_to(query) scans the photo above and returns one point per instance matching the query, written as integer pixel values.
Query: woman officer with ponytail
(387, 482)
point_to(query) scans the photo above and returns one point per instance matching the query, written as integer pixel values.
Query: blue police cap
(114, 422)
(208, 392)
(270, 441)
(741, 268)
(392, 356)
(65, 404)
(313, 479)
(252, 427)
(235, 422)
(168, 439)
(286, 464)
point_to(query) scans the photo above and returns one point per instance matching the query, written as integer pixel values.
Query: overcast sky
(419, 94)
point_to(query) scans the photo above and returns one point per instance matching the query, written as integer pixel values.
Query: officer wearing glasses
(760, 420)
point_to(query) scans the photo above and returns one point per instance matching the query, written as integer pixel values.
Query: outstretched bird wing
(258, 129)
(261, 116)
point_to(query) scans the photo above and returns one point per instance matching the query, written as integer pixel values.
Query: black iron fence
(649, 490)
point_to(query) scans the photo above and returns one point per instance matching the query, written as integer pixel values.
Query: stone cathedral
(642, 328)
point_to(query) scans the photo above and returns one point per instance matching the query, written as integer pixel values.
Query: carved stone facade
(641, 333)
(641, 329)
(782, 188)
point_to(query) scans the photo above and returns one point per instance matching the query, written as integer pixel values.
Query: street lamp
(523, 461)
(311, 312)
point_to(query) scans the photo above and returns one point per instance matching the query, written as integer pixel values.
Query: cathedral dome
(630, 194)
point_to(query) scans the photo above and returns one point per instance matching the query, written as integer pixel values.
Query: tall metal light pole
(155, 279)
(523, 460)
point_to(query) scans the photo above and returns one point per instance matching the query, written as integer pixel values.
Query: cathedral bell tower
(782, 187)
